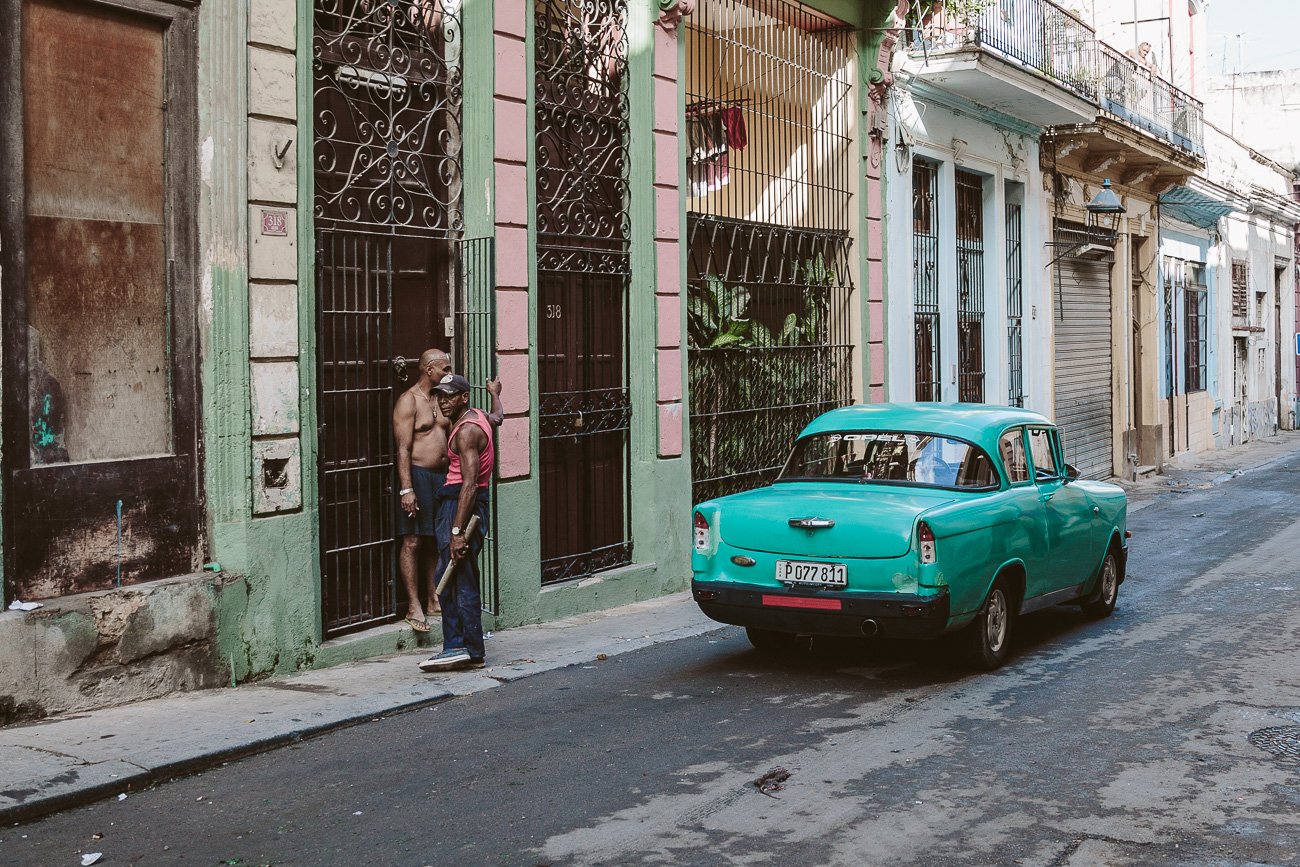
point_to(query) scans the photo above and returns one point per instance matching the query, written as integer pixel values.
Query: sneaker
(451, 658)
(474, 663)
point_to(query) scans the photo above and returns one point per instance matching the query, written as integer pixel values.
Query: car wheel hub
(995, 621)
(1109, 582)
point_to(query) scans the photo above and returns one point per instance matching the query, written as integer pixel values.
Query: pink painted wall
(511, 216)
(668, 259)
(874, 231)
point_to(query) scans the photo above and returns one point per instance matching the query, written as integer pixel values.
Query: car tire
(770, 641)
(988, 638)
(1108, 589)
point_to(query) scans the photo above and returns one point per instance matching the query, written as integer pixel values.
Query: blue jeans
(462, 604)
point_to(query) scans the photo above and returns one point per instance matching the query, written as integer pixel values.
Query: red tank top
(486, 458)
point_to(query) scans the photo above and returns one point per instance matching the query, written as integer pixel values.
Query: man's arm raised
(497, 414)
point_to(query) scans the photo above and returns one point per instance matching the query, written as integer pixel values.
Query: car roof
(977, 423)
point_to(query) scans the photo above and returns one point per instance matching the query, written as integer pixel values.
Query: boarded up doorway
(97, 185)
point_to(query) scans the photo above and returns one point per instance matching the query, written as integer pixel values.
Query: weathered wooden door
(97, 185)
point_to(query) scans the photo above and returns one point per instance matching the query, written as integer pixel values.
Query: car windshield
(889, 457)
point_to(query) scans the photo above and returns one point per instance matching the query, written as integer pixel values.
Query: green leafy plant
(753, 386)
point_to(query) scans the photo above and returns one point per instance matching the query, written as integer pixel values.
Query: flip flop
(417, 625)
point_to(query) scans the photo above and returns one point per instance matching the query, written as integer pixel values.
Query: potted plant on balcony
(945, 23)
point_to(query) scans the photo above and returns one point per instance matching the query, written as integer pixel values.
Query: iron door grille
(1015, 309)
(925, 278)
(769, 121)
(970, 287)
(584, 269)
(474, 351)
(387, 165)
(354, 386)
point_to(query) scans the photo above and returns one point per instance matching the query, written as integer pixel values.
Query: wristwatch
(455, 531)
(404, 491)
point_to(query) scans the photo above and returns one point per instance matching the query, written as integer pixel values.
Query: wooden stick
(470, 527)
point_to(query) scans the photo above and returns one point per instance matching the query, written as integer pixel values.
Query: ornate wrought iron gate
(387, 207)
(769, 116)
(583, 269)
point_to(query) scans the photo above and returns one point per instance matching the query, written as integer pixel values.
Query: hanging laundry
(705, 136)
(708, 175)
(733, 127)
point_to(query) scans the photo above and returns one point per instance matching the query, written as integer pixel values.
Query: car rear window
(888, 457)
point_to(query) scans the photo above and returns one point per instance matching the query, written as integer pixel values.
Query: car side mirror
(1071, 472)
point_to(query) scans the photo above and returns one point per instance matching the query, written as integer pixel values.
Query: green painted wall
(269, 599)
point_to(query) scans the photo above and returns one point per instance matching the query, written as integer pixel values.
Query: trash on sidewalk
(602, 656)
(1198, 515)
(122, 797)
(772, 781)
(90, 858)
(19, 605)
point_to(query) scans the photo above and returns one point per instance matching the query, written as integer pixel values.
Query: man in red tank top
(471, 458)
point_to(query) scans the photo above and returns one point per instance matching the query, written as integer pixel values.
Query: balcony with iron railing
(1036, 61)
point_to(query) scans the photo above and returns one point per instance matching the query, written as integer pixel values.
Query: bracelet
(404, 491)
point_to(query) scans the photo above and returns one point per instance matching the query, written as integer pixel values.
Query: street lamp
(1104, 211)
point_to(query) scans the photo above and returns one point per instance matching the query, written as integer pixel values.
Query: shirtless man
(420, 431)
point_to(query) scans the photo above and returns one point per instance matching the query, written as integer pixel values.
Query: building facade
(205, 335)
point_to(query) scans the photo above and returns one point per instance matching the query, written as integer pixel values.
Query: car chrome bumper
(810, 612)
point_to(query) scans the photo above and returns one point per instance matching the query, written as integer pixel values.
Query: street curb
(1217, 480)
(135, 773)
(42, 807)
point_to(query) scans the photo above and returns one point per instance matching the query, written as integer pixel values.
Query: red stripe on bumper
(803, 602)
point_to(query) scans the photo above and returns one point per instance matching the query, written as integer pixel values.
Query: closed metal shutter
(1083, 364)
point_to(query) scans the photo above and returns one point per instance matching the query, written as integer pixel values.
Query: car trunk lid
(808, 520)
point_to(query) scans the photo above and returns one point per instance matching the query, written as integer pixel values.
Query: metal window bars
(769, 120)
(925, 278)
(1015, 308)
(1195, 311)
(970, 287)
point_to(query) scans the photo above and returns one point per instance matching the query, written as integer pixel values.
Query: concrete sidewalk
(57, 763)
(1190, 472)
(60, 762)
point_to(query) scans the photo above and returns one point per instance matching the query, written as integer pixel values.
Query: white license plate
(813, 574)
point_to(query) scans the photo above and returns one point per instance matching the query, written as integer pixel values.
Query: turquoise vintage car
(912, 521)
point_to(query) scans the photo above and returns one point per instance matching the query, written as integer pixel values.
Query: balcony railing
(1041, 36)
(1144, 99)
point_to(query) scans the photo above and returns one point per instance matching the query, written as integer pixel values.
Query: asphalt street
(1167, 734)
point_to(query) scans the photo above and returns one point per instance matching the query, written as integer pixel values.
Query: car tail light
(701, 533)
(926, 537)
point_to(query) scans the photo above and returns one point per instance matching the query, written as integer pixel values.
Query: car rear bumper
(895, 615)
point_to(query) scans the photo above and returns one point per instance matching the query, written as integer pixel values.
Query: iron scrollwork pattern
(387, 115)
(582, 131)
(583, 263)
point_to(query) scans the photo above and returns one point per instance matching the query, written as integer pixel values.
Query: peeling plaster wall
(111, 647)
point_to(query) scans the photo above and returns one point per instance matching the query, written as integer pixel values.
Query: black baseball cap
(452, 383)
